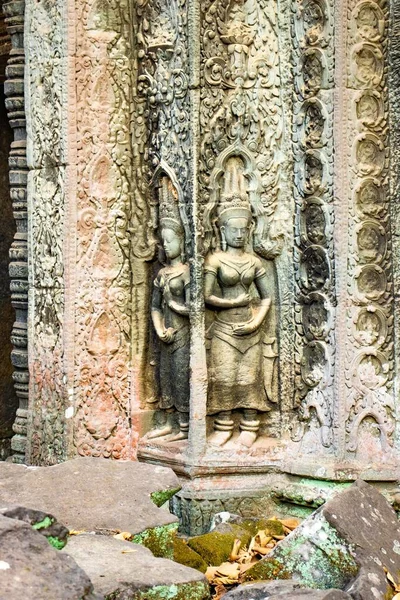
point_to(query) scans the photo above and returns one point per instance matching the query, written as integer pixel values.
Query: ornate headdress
(169, 217)
(234, 198)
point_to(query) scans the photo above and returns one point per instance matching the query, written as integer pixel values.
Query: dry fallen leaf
(127, 551)
(124, 535)
(228, 575)
(228, 569)
(290, 523)
(390, 578)
(76, 531)
(234, 555)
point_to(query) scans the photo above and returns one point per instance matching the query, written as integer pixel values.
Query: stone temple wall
(212, 211)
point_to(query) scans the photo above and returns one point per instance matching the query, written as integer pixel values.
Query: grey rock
(126, 571)
(279, 590)
(31, 569)
(93, 494)
(43, 522)
(345, 544)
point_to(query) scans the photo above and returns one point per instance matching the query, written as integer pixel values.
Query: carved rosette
(14, 91)
(369, 361)
(313, 65)
(103, 279)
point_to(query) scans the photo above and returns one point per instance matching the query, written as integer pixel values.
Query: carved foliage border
(103, 277)
(369, 374)
(313, 66)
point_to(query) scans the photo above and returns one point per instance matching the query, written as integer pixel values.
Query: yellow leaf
(210, 573)
(262, 538)
(76, 532)
(230, 570)
(127, 551)
(234, 555)
(290, 523)
(124, 535)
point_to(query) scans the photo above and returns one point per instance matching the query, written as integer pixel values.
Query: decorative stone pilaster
(14, 91)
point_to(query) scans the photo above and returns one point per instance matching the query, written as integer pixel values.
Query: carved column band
(14, 91)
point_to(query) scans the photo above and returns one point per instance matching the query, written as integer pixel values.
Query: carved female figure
(236, 355)
(169, 313)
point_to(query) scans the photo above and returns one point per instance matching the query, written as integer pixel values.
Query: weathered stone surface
(42, 522)
(93, 494)
(32, 569)
(126, 571)
(280, 589)
(347, 544)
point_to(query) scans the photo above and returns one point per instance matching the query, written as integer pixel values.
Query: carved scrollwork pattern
(162, 112)
(312, 53)
(241, 104)
(370, 317)
(103, 280)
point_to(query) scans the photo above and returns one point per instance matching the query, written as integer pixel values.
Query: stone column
(14, 90)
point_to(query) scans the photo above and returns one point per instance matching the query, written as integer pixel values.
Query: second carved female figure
(170, 316)
(233, 278)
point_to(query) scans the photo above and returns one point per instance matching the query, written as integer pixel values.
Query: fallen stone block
(124, 571)
(280, 590)
(95, 494)
(346, 544)
(55, 533)
(31, 569)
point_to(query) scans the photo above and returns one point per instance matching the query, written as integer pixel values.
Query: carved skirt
(174, 372)
(235, 371)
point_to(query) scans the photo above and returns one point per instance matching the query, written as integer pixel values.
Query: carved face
(236, 231)
(171, 243)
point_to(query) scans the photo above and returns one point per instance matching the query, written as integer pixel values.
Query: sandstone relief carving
(238, 346)
(170, 317)
(312, 57)
(370, 419)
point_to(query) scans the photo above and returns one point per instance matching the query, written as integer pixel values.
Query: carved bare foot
(161, 432)
(247, 438)
(181, 435)
(219, 438)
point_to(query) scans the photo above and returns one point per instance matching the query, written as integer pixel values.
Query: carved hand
(242, 300)
(167, 335)
(246, 328)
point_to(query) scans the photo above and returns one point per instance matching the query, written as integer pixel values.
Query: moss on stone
(184, 555)
(321, 561)
(253, 526)
(56, 542)
(197, 590)
(213, 547)
(160, 540)
(47, 522)
(161, 497)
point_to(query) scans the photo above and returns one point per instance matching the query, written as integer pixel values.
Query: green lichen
(197, 590)
(160, 540)
(56, 542)
(163, 496)
(47, 522)
(214, 547)
(188, 557)
(318, 558)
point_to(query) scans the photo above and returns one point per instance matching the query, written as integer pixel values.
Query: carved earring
(223, 242)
